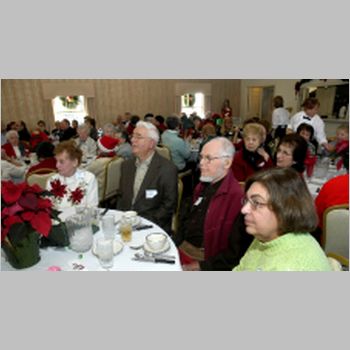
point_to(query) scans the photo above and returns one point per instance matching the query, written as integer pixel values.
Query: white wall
(282, 87)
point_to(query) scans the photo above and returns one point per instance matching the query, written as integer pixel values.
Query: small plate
(136, 243)
(117, 247)
(148, 249)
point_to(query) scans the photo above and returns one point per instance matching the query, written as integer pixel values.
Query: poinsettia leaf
(29, 200)
(44, 203)
(41, 222)
(27, 216)
(14, 209)
(11, 192)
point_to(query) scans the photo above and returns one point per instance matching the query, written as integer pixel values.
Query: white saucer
(117, 247)
(148, 249)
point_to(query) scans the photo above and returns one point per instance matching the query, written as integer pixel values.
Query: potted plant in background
(27, 218)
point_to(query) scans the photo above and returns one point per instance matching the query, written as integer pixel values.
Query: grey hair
(227, 148)
(84, 127)
(109, 127)
(151, 129)
(11, 132)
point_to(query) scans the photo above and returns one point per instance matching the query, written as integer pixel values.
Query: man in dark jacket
(148, 182)
(216, 203)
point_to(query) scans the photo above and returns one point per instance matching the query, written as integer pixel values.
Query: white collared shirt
(316, 122)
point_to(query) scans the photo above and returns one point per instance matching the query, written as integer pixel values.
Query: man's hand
(191, 267)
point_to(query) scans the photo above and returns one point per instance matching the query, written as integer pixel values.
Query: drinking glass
(108, 227)
(125, 229)
(104, 251)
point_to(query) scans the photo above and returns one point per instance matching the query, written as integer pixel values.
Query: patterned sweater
(289, 252)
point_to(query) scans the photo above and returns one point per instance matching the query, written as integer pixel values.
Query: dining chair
(112, 179)
(335, 233)
(175, 219)
(40, 171)
(39, 179)
(341, 260)
(164, 151)
(99, 168)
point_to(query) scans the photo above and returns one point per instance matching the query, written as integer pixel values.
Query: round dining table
(65, 259)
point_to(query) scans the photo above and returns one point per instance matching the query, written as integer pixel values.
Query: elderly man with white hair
(217, 201)
(148, 181)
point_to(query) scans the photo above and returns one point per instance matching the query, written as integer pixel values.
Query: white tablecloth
(65, 257)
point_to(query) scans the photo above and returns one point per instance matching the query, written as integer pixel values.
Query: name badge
(151, 194)
(198, 201)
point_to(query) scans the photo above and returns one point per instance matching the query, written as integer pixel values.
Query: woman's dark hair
(306, 127)
(299, 146)
(45, 150)
(290, 199)
(160, 119)
(172, 122)
(134, 119)
(278, 101)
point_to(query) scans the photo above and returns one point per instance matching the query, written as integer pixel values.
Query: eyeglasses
(253, 203)
(139, 137)
(209, 159)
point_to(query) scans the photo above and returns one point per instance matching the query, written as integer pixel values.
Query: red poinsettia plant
(25, 204)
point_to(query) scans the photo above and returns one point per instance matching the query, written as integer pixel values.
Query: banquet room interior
(47, 118)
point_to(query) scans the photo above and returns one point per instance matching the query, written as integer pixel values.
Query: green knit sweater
(289, 252)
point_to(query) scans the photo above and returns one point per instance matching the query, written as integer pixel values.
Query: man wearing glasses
(148, 182)
(217, 201)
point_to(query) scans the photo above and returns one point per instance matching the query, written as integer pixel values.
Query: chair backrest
(40, 171)
(164, 151)
(112, 177)
(39, 179)
(335, 234)
(99, 168)
(341, 260)
(175, 220)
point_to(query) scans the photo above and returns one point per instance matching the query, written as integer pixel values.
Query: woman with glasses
(279, 212)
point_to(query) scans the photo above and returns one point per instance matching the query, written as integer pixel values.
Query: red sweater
(333, 192)
(48, 163)
(224, 206)
(242, 169)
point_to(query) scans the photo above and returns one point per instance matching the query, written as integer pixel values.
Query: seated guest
(124, 149)
(204, 232)
(195, 129)
(159, 122)
(107, 146)
(67, 131)
(132, 124)
(208, 133)
(291, 152)
(109, 130)
(92, 125)
(307, 132)
(334, 192)
(148, 181)
(23, 132)
(227, 128)
(37, 137)
(72, 185)
(42, 127)
(11, 169)
(85, 142)
(13, 147)
(252, 157)
(180, 150)
(56, 132)
(340, 145)
(279, 213)
(46, 158)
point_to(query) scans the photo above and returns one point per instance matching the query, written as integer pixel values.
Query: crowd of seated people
(219, 225)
